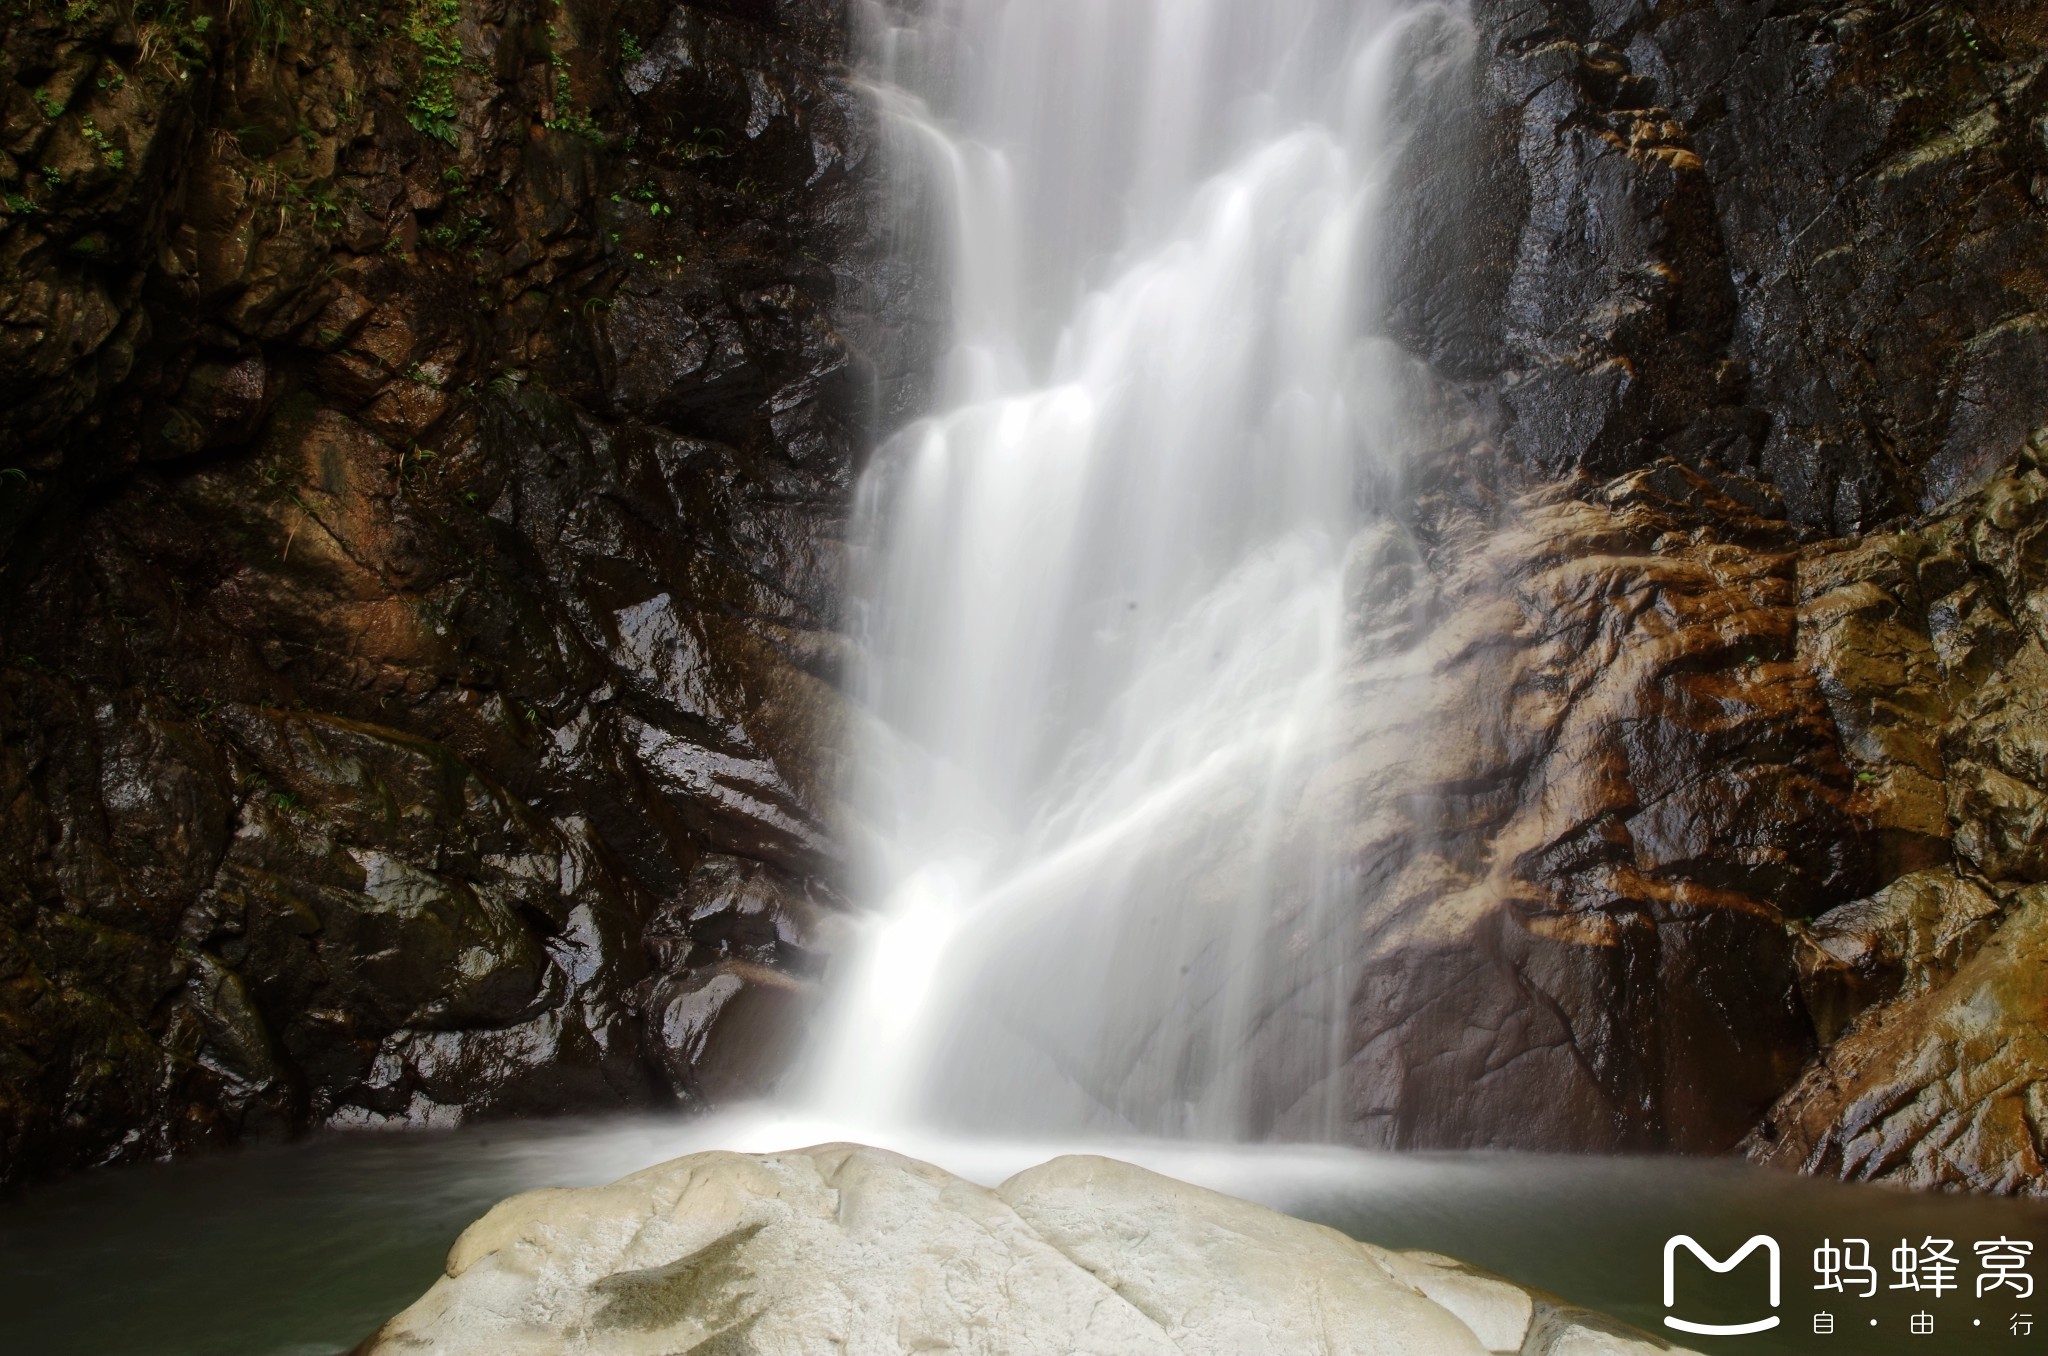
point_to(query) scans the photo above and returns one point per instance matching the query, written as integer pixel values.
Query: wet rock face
(1689, 835)
(428, 434)
(1937, 1077)
(1712, 796)
(1586, 782)
(1799, 241)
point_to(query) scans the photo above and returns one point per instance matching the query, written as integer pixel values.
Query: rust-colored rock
(1929, 990)
(1578, 859)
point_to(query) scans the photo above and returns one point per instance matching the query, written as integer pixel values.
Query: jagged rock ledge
(860, 1251)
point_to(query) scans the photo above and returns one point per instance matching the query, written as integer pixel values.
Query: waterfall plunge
(1103, 587)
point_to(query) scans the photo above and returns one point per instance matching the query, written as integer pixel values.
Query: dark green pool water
(302, 1250)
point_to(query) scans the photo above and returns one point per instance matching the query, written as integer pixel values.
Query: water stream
(1105, 593)
(1103, 586)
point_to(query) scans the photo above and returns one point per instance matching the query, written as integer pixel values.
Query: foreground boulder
(859, 1251)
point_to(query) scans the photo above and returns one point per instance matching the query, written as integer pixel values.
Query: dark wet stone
(422, 560)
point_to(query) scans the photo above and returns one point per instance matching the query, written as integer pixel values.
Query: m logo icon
(1671, 1247)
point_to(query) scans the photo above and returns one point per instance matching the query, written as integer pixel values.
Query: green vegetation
(431, 27)
(320, 201)
(630, 49)
(47, 104)
(270, 23)
(705, 143)
(171, 34)
(568, 117)
(112, 156)
(413, 460)
(451, 236)
(650, 197)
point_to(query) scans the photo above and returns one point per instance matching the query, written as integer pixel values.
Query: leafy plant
(568, 117)
(650, 197)
(705, 143)
(271, 23)
(112, 156)
(172, 33)
(431, 27)
(413, 460)
(326, 209)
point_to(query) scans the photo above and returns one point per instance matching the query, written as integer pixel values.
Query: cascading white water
(1103, 587)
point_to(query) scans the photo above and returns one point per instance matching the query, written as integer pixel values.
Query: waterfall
(1102, 588)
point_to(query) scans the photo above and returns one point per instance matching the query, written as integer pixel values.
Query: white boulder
(858, 1252)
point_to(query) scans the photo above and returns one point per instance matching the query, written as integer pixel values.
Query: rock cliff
(426, 435)
(1712, 810)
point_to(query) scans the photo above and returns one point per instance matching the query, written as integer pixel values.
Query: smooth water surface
(303, 1250)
